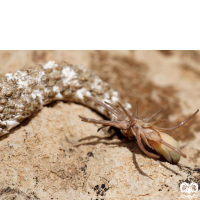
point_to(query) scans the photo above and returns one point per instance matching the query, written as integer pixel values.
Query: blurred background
(157, 79)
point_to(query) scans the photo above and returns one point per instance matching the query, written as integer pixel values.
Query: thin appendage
(125, 111)
(146, 125)
(175, 127)
(102, 104)
(149, 118)
(120, 114)
(103, 126)
(136, 111)
(117, 124)
(142, 146)
(172, 148)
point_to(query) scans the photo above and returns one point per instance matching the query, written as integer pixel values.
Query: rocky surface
(41, 158)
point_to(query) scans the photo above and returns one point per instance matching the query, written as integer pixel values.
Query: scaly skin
(26, 92)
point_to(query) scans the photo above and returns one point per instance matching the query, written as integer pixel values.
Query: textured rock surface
(38, 159)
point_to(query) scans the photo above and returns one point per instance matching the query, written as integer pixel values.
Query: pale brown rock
(39, 159)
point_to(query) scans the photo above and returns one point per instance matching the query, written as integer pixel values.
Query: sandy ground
(38, 159)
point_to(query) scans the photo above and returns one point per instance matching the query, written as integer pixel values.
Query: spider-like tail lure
(143, 130)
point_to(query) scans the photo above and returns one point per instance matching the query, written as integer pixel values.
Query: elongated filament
(172, 148)
(175, 127)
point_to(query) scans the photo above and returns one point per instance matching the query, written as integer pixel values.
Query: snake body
(25, 92)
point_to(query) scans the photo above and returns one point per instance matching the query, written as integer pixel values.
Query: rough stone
(43, 159)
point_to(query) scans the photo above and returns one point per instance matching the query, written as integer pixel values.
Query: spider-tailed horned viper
(25, 92)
